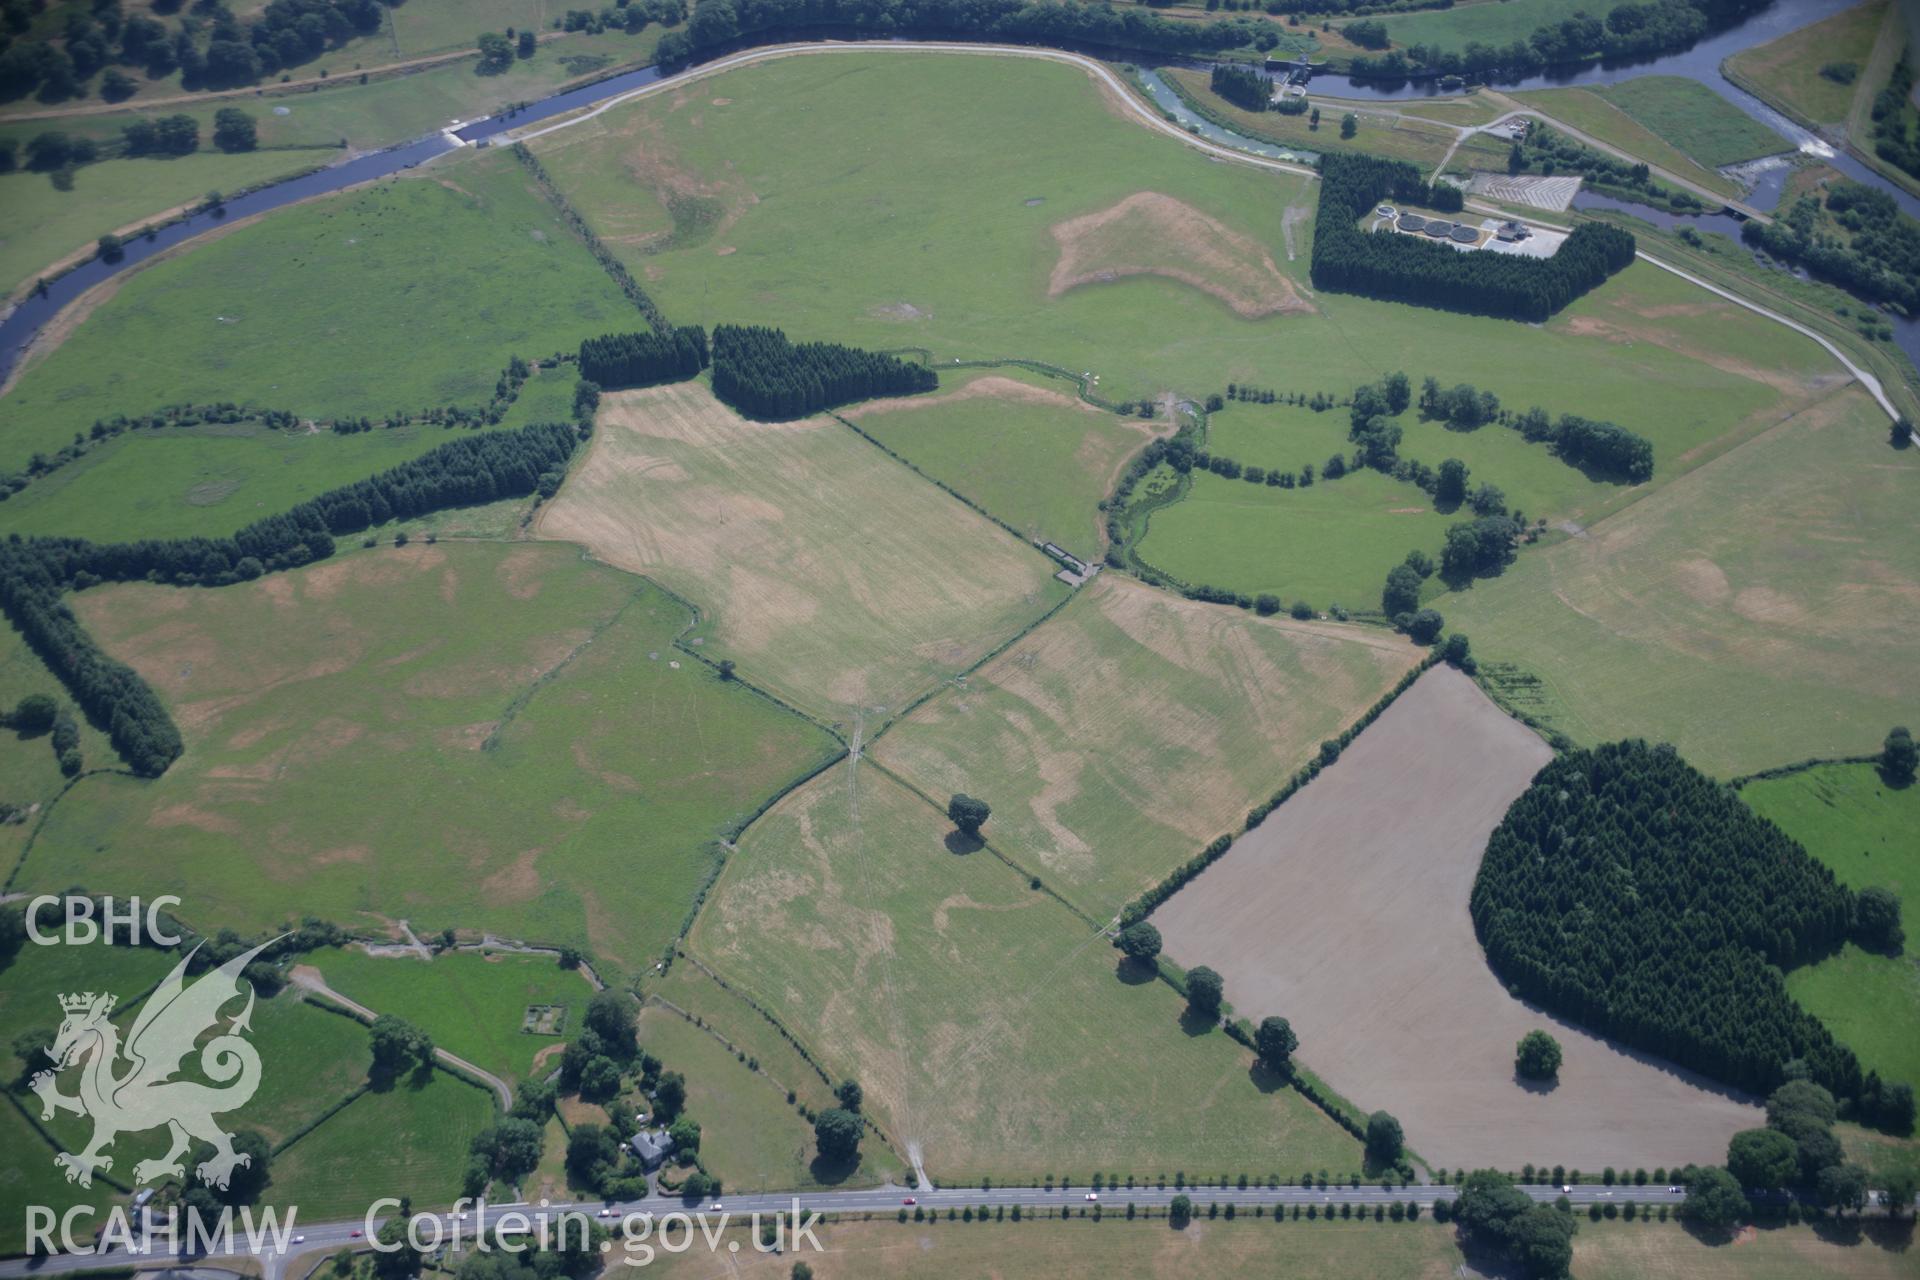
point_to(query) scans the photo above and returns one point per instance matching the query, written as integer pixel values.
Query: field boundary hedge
(1798, 766)
(615, 269)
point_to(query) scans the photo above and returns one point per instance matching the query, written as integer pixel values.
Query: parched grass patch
(986, 1022)
(1328, 544)
(827, 570)
(1789, 69)
(473, 1005)
(408, 1140)
(1026, 450)
(1630, 1250)
(529, 753)
(1757, 610)
(1153, 234)
(1848, 818)
(344, 306)
(1696, 119)
(1119, 739)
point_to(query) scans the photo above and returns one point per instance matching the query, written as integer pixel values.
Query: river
(1701, 62)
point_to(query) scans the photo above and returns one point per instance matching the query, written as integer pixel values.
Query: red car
(909, 1200)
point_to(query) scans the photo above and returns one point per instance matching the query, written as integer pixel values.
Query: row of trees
(644, 359)
(1547, 151)
(719, 23)
(1406, 268)
(1603, 448)
(1631, 893)
(36, 572)
(1627, 31)
(761, 373)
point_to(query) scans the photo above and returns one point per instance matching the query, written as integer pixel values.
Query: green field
(28, 1176)
(985, 1021)
(45, 224)
(1119, 739)
(751, 1137)
(1752, 612)
(1251, 538)
(1863, 829)
(33, 981)
(1594, 114)
(407, 1140)
(826, 226)
(29, 771)
(501, 786)
(1026, 451)
(343, 306)
(472, 1005)
(1787, 70)
(1696, 119)
(206, 481)
(1488, 23)
(831, 574)
(1379, 133)
(693, 991)
(310, 1059)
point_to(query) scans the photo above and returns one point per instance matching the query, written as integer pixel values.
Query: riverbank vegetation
(1853, 235)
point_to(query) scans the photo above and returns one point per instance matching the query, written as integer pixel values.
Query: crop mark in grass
(1153, 234)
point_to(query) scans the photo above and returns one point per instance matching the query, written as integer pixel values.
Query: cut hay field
(1119, 739)
(527, 752)
(827, 570)
(207, 481)
(986, 1022)
(407, 1140)
(1788, 69)
(823, 223)
(1756, 610)
(1378, 968)
(1696, 119)
(1863, 829)
(1251, 538)
(472, 1004)
(337, 307)
(1024, 448)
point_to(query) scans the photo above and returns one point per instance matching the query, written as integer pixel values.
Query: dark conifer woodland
(763, 375)
(36, 572)
(1631, 893)
(1405, 268)
(618, 360)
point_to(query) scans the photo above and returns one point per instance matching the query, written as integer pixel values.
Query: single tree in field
(836, 1132)
(496, 53)
(1450, 486)
(1899, 757)
(1537, 1057)
(526, 44)
(1140, 942)
(1349, 125)
(1876, 920)
(1205, 991)
(1714, 1199)
(1275, 1043)
(34, 713)
(1385, 1141)
(968, 814)
(850, 1094)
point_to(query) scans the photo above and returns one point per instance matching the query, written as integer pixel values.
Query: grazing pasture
(310, 1058)
(1787, 70)
(1120, 738)
(340, 307)
(1252, 538)
(205, 481)
(1848, 818)
(827, 570)
(810, 215)
(409, 1139)
(529, 753)
(1759, 609)
(986, 1022)
(472, 1004)
(1384, 846)
(1024, 448)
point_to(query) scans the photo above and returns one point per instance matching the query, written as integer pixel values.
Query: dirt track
(1346, 912)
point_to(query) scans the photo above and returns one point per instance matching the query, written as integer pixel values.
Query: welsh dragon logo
(131, 1088)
